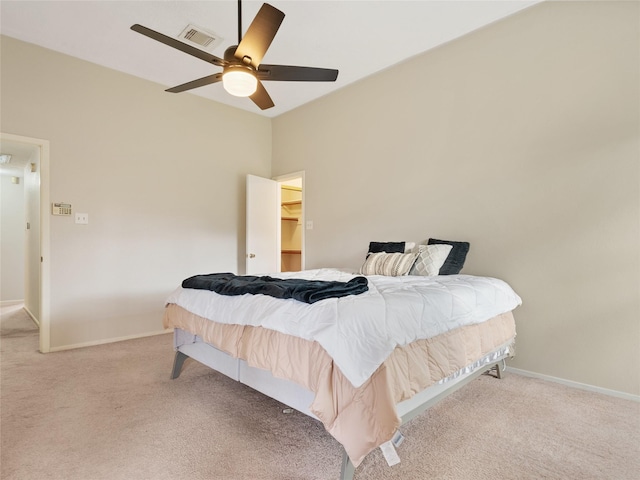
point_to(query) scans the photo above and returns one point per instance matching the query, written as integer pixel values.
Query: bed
(361, 364)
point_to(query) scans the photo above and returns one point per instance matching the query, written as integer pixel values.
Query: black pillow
(387, 247)
(455, 261)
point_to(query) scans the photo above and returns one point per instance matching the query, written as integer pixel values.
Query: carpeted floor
(111, 412)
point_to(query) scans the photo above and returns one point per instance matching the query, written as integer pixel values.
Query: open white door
(263, 207)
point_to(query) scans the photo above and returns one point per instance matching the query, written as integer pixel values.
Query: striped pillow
(389, 264)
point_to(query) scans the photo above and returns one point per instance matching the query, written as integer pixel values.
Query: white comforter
(360, 331)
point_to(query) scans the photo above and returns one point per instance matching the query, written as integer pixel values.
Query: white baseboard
(33, 317)
(581, 386)
(525, 373)
(6, 303)
(109, 340)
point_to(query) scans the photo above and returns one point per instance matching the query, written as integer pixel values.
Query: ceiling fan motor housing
(230, 56)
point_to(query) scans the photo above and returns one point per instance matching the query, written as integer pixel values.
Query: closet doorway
(275, 219)
(291, 223)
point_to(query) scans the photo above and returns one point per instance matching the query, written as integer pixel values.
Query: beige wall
(521, 138)
(161, 177)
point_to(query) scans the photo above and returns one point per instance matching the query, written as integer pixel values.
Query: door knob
(252, 255)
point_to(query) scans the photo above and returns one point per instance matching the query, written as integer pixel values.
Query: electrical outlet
(82, 218)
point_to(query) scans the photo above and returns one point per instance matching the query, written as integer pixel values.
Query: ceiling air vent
(200, 38)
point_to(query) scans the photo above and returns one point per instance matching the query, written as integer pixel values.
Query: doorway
(32, 155)
(267, 216)
(291, 238)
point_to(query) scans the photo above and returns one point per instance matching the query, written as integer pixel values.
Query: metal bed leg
(499, 369)
(178, 361)
(348, 470)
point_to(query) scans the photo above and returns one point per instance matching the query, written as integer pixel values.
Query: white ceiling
(21, 155)
(359, 38)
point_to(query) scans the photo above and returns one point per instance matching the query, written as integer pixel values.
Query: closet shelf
(290, 219)
(292, 251)
(291, 202)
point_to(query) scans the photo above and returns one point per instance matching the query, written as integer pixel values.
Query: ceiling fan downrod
(242, 69)
(239, 21)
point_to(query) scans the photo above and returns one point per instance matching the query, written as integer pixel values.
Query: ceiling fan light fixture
(239, 81)
(243, 71)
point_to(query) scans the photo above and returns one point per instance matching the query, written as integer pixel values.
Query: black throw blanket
(308, 291)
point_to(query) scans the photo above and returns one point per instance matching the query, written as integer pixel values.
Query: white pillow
(389, 264)
(430, 259)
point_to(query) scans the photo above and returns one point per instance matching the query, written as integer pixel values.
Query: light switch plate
(82, 218)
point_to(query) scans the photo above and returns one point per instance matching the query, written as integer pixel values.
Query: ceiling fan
(242, 73)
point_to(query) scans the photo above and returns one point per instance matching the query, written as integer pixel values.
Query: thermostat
(61, 209)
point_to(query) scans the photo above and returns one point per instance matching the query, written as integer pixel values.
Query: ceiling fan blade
(183, 47)
(291, 73)
(201, 82)
(259, 35)
(261, 98)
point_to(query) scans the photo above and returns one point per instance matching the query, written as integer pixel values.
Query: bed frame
(300, 398)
